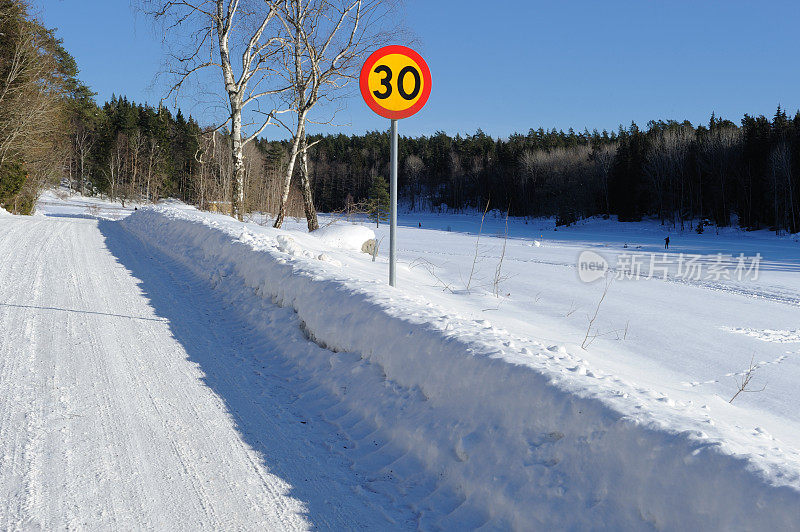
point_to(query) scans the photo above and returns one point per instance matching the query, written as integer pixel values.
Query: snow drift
(481, 428)
(345, 236)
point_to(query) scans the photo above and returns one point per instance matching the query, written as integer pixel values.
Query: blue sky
(511, 65)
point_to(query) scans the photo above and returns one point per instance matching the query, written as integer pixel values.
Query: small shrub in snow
(745, 378)
(589, 338)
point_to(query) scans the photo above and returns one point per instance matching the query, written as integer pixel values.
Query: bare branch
(746, 377)
(587, 341)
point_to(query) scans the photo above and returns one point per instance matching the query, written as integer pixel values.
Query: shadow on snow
(263, 394)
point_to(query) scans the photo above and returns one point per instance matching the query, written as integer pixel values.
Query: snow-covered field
(274, 373)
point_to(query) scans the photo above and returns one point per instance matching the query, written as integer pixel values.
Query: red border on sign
(364, 81)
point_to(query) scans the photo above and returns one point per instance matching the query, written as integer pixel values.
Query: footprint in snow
(767, 335)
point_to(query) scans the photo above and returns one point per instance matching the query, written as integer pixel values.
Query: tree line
(136, 152)
(129, 151)
(51, 129)
(722, 173)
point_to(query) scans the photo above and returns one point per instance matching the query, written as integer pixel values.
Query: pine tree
(378, 203)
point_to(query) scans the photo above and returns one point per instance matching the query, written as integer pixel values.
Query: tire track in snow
(25, 455)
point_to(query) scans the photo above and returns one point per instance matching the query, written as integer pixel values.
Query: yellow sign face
(395, 82)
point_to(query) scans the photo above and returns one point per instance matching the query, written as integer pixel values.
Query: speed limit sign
(395, 82)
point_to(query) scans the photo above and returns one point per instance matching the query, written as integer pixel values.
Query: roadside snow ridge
(481, 427)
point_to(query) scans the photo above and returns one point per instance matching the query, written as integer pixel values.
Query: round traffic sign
(395, 82)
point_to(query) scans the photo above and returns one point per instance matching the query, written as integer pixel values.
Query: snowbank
(4, 212)
(345, 236)
(485, 428)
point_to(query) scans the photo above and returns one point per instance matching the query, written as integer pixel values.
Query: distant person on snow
(420, 225)
(666, 243)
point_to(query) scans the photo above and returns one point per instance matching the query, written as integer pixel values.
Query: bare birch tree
(215, 31)
(603, 158)
(326, 39)
(717, 155)
(83, 146)
(116, 164)
(136, 144)
(153, 155)
(666, 168)
(780, 161)
(414, 167)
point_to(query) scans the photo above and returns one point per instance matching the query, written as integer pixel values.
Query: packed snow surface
(283, 358)
(131, 398)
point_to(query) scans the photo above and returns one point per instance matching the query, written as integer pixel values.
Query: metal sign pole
(393, 201)
(394, 102)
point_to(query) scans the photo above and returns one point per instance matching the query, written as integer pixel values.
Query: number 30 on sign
(395, 82)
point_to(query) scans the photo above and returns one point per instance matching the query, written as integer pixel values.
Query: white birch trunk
(237, 147)
(305, 185)
(287, 177)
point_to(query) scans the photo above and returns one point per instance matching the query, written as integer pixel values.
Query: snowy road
(175, 369)
(131, 398)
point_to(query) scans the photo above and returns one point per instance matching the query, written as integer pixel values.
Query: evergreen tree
(12, 179)
(378, 203)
